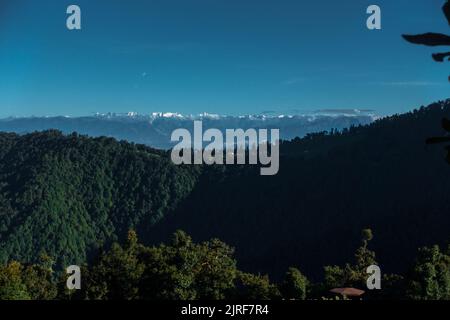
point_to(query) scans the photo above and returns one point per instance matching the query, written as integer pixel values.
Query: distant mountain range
(155, 129)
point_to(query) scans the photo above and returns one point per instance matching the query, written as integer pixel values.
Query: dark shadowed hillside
(329, 187)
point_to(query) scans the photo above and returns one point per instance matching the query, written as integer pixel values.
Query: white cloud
(292, 81)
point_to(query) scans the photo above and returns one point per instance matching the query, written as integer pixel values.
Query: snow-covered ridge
(311, 116)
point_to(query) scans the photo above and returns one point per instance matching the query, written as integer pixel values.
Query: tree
(352, 275)
(11, 285)
(185, 270)
(181, 270)
(217, 271)
(117, 273)
(295, 285)
(430, 279)
(27, 282)
(169, 270)
(255, 287)
(363, 256)
(39, 282)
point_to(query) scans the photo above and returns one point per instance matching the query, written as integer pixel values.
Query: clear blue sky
(218, 56)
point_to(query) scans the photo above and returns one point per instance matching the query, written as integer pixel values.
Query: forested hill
(68, 195)
(330, 186)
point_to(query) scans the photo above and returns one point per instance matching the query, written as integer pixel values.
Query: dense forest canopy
(69, 195)
(185, 270)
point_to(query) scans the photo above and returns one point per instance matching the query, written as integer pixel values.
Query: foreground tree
(27, 282)
(352, 275)
(11, 285)
(295, 285)
(185, 270)
(430, 278)
(181, 270)
(255, 287)
(116, 274)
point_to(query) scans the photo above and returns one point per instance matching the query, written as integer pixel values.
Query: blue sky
(217, 56)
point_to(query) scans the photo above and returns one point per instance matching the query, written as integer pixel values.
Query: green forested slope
(68, 195)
